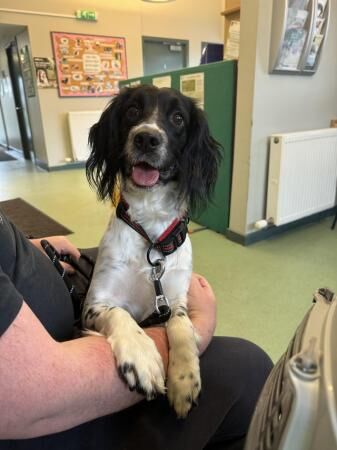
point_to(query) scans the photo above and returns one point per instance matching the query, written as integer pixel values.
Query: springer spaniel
(155, 146)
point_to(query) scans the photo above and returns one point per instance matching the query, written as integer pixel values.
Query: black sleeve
(26, 274)
(10, 302)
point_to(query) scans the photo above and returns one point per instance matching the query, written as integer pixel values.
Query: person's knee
(234, 365)
(243, 368)
(234, 371)
(254, 366)
(242, 354)
(254, 360)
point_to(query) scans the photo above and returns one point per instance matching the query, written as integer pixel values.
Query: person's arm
(202, 310)
(46, 386)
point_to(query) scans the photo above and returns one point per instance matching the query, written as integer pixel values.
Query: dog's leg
(138, 360)
(183, 378)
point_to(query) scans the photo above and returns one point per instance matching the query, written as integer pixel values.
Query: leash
(56, 259)
(162, 311)
(169, 241)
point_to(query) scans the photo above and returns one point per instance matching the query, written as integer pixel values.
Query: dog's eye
(133, 113)
(178, 119)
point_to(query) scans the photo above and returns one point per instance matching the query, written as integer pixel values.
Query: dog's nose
(145, 140)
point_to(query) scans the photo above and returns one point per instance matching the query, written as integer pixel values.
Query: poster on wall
(193, 85)
(88, 65)
(162, 82)
(45, 72)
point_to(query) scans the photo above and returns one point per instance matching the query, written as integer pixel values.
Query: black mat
(5, 156)
(31, 221)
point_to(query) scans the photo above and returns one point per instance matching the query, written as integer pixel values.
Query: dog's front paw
(139, 363)
(183, 382)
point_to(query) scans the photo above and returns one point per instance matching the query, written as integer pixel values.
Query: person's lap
(233, 373)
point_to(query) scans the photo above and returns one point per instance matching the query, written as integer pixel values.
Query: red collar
(168, 242)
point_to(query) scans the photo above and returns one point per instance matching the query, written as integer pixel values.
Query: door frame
(20, 103)
(172, 41)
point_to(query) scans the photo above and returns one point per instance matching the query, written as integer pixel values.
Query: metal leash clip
(161, 302)
(162, 311)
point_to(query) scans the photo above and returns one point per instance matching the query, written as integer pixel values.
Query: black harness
(172, 238)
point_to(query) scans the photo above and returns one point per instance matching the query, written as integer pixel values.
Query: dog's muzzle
(147, 155)
(146, 141)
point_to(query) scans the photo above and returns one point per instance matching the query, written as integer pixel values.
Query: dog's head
(151, 137)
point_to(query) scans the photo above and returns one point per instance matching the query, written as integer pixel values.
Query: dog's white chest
(123, 275)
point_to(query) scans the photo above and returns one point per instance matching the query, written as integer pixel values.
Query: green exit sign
(86, 14)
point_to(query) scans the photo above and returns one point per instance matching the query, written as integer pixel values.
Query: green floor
(263, 290)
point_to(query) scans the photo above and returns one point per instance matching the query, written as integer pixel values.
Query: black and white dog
(155, 146)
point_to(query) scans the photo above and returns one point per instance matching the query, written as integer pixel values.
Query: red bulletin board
(87, 65)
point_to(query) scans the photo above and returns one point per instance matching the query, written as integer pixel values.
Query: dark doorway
(163, 55)
(20, 99)
(211, 52)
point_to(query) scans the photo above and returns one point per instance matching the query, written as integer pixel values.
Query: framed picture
(45, 72)
(88, 65)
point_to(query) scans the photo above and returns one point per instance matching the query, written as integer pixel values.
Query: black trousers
(233, 372)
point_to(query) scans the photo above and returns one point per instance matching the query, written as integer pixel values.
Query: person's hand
(202, 309)
(62, 245)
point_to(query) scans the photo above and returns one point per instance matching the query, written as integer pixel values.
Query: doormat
(30, 220)
(5, 156)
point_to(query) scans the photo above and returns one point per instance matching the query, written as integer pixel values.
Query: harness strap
(169, 241)
(156, 318)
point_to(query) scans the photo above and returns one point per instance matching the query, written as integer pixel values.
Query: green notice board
(219, 105)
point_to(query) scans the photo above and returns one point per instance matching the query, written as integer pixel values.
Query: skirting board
(272, 231)
(67, 166)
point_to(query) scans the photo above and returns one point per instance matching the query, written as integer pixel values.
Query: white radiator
(302, 174)
(79, 126)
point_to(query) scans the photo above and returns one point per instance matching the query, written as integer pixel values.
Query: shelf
(230, 11)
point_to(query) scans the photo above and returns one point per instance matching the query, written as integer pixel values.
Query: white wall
(269, 104)
(193, 20)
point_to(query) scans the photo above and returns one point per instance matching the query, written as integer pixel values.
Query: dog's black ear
(105, 160)
(200, 161)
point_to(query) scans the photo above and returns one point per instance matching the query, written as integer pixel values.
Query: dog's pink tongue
(144, 175)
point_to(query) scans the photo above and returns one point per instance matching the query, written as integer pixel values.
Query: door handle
(18, 108)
